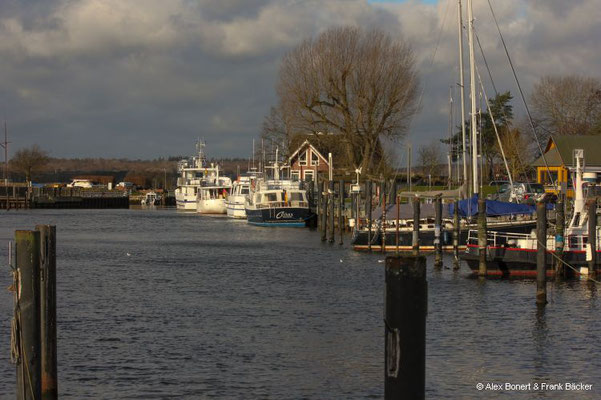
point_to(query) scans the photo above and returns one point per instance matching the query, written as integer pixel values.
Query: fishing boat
(213, 191)
(191, 172)
(278, 202)
(514, 254)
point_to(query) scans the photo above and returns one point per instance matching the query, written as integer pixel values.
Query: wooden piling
(398, 212)
(456, 233)
(592, 237)
(28, 309)
(415, 238)
(324, 211)
(482, 237)
(559, 237)
(406, 306)
(383, 221)
(331, 203)
(438, 232)
(368, 196)
(48, 311)
(541, 264)
(340, 211)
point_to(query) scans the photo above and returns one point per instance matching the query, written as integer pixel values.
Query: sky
(145, 79)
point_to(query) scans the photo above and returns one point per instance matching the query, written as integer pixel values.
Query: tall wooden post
(324, 211)
(331, 203)
(482, 237)
(456, 233)
(438, 232)
(406, 306)
(368, 187)
(398, 212)
(559, 237)
(48, 311)
(383, 222)
(541, 264)
(592, 237)
(28, 308)
(341, 210)
(415, 238)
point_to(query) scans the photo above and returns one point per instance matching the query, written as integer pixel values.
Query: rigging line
(507, 121)
(540, 149)
(492, 119)
(552, 252)
(421, 95)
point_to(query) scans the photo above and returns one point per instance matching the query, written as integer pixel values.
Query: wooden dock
(19, 195)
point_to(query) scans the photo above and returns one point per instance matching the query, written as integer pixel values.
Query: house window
(314, 158)
(302, 160)
(309, 176)
(294, 175)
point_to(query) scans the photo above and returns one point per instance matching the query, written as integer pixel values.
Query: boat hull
(185, 202)
(212, 206)
(509, 262)
(278, 216)
(236, 208)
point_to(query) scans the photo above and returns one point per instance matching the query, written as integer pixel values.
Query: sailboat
(514, 254)
(397, 227)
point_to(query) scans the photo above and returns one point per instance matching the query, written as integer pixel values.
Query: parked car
(520, 192)
(497, 183)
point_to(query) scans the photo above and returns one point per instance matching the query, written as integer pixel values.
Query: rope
(564, 262)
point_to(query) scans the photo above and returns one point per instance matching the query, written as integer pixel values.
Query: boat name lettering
(283, 214)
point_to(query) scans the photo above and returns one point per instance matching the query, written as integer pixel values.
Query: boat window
(296, 196)
(270, 197)
(244, 190)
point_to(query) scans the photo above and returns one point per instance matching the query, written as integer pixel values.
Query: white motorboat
(191, 173)
(151, 199)
(241, 190)
(213, 191)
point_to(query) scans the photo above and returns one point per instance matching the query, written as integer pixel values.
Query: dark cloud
(123, 78)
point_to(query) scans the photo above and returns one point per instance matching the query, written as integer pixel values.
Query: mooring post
(28, 309)
(341, 210)
(383, 221)
(324, 211)
(368, 211)
(482, 237)
(415, 238)
(541, 264)
(559, 237)
(438, 232)
(48, 311)
(331, 204)
(592, 237)
(456, 233)
(392, 193)
(398, 212)
(406, 306)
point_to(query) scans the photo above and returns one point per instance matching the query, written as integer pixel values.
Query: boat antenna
(253, 155)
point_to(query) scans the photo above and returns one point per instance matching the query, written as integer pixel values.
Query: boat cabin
(280, 198)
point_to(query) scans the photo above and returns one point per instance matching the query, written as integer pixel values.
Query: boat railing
(497, 239)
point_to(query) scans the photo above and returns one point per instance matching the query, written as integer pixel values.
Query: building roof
(306, 143)
(559, 151)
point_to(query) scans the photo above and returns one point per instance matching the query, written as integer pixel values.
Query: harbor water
(164, 304)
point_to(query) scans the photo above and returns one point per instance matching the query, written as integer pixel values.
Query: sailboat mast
(474, 131)
(462, 91)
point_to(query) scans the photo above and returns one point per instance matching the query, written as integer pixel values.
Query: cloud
(143, 79)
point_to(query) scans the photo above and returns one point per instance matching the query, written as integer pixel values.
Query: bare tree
(275, 130)
(568, 105)
(29, 160)
(429, 157)
(359, 85)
